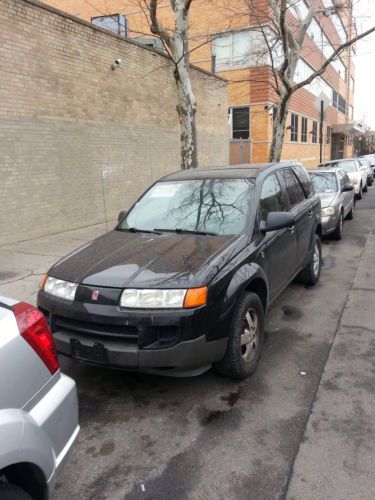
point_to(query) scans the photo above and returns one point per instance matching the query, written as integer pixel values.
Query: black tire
(360, 194)
(338, 232)
(11, 492)
(310, 274)
(241, 359)
(350, 215)
(365, 189)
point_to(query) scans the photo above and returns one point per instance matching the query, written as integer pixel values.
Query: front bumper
(168, 342)
(329, 224)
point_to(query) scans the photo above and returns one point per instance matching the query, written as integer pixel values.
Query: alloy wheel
(250, 336)
(316, 262)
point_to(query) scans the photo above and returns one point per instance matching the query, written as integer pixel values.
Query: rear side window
(271, 197)
(304, 179)
(293, 187)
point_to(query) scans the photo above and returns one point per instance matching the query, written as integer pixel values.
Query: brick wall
(76, 136)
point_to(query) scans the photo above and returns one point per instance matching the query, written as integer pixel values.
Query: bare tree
(176, 43)
(290, 26)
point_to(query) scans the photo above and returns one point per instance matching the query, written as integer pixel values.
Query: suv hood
(327, 199)
(121, 259)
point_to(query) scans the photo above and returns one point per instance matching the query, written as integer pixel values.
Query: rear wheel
(338, 232)
(360, 195)
(365, 188)
(311, 273)
(11, 492)
(246, 338)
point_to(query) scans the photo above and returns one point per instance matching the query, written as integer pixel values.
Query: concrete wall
(76, 136)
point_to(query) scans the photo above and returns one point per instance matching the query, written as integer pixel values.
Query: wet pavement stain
(291, 313)
(107, 448)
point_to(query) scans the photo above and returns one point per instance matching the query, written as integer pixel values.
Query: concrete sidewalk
(336, 458)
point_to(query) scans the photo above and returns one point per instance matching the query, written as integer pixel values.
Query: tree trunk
(278, 130)
(187, 105)
(186, 110)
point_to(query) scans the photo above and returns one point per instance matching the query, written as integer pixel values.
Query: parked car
(185, 278)
(370, 174)
(357, 173)
(38, 405)
(336, 194)
(371, 158)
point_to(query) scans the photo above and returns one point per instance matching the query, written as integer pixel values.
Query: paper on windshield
(165, 190)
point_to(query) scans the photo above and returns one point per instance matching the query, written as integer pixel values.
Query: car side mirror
(121, 215)
(277, 220)
(347, 187)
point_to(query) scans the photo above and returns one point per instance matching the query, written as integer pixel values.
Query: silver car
(357, 173)
(365, 162)
(337, 198)
(38, 405)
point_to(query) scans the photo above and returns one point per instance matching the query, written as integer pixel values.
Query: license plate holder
(96, 353)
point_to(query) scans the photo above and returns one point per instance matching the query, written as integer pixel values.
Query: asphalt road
(147, 437)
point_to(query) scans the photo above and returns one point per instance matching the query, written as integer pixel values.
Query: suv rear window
(293, 187)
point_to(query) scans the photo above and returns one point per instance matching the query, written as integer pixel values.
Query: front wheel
(365, 188)
(311, 273)
(338, 232)
(360, 195)
(246, 338)
(350, 215)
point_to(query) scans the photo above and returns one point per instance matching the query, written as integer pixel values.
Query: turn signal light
(196, 297)
(43, 282)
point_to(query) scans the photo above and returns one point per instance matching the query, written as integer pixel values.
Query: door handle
(310, 212)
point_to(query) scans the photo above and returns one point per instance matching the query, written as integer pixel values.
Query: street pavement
(300, 428)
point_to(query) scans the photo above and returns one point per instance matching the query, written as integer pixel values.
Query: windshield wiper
(186, 231)
(136, 230)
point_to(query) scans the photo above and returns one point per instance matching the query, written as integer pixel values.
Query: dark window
(335, 99)
(304, 179)
(329, 133)
(315, 132)
(304, 129)
(271, 197)
(293, 187)
(341, 104)
(294, 128)
(113, 22)
(241, 123)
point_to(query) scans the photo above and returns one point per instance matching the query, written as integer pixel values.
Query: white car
(357, 173)
(38, 405)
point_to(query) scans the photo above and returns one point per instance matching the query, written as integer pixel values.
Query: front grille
(119, 332)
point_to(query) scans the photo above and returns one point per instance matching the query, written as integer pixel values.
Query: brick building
(224, 38)
(79, 141)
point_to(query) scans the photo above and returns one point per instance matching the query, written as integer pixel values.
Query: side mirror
(277, 220)
(347, 187)
(121, 215)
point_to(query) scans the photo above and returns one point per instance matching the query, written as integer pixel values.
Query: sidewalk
(336, 458)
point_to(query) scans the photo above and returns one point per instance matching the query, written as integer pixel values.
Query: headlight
(163, 299)
(60, 288)
(328, 211)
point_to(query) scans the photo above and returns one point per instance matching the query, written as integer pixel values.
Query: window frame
(314, 132)
(231, 109)
(294, 127)
(304, 123)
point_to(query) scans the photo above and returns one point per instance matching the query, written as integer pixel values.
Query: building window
(328, 134)
(351, 112)
(240, 123)
(231, 50)
(352, 84)
(314, 132)
(294, 128)
(304, 129)
(341, 105)
(117, 23)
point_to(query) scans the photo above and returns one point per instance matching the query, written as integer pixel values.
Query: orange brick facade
(249, 86)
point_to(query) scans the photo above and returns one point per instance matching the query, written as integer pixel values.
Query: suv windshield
(324, 183)
(218, 206)
(348, 166)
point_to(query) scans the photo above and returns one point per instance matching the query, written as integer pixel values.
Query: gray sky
(365, 64)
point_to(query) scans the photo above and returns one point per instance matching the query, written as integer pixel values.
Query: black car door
(301, 208)
(277, 249)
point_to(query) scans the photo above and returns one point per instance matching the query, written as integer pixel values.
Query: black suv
(185, 278)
